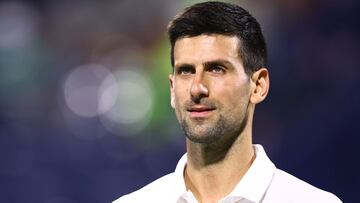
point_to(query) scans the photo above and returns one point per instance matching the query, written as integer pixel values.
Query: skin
(214, 101)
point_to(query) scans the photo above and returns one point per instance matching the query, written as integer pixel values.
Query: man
(218, 55)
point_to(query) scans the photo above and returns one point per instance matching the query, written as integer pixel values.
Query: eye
(185, 70)
(217, 69)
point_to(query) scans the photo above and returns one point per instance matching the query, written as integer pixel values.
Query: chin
(202, 137)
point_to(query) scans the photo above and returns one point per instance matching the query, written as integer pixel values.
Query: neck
(213, 170)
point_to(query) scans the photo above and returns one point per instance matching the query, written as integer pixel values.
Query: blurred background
(84, 99)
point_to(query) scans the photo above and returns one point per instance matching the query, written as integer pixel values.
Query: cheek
(181, 92)
(180, 97)
(233, 94)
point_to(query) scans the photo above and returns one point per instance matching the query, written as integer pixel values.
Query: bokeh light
(18, 25)
(82, 90)
(131, 94)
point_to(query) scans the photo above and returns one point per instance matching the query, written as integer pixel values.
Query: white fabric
(262, 183)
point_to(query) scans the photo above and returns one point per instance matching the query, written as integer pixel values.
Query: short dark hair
(226, 19)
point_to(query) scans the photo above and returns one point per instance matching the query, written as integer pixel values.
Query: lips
(200, 111)
(200, 108)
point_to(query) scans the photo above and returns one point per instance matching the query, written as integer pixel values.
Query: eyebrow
(220, 62)
(207, 64)
(181, 65)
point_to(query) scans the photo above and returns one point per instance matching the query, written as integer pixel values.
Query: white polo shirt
(263, 182)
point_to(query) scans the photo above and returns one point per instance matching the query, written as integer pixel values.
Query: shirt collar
(257, 179)
(179, 171)
(252, 186)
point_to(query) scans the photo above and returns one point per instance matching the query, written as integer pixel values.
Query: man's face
(209, 88)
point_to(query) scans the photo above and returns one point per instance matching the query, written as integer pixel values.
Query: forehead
(206, 48)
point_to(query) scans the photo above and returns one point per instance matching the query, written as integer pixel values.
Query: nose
(198, 88)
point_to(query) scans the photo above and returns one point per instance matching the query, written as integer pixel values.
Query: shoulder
(156, 191)
(288, 188)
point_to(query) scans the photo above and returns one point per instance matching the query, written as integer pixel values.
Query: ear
(172, 94)
(261, 83)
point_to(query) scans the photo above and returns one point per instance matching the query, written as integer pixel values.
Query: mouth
(199, 111)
